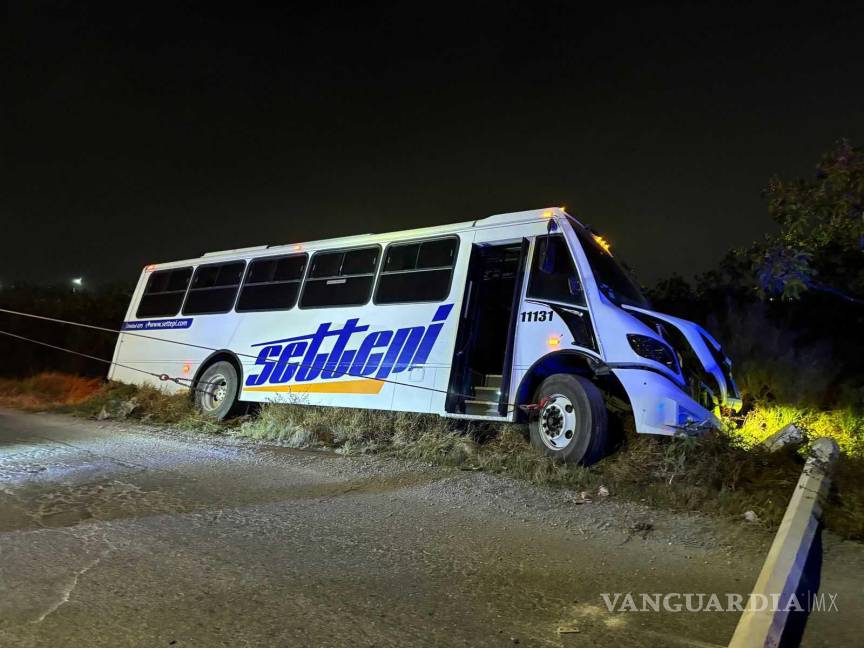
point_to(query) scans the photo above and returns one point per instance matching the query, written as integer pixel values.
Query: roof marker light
(548, 213)
(602, 242)
(150, 268)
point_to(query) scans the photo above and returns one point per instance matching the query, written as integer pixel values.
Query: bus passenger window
(417, 272)
(272, 283)
(214, 288)
(340, 278)
(164, 293)
(553, 274)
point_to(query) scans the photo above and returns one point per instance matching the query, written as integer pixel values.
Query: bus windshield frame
(612, 279)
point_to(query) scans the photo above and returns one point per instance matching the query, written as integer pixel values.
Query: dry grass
(47, 390)
(496, 448)
(92, 397)
(147, 404)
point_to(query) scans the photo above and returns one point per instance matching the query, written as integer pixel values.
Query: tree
(820, 245)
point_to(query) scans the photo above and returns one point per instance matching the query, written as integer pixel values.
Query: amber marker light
(602, 242)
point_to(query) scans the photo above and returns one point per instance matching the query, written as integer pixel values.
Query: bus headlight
(653, 349)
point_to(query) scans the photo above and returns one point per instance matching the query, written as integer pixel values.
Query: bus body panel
(659, 405)
(326, 367)
(541, 329)
(401, 356)
(141, 353)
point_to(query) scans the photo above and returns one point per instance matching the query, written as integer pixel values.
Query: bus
(518, 317)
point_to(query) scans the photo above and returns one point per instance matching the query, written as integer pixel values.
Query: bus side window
(553, 274)
(272, 283)
(164, 293)
(417, 272)
(340, 278)
(214, 288)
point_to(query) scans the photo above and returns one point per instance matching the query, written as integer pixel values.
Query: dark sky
(135, 135)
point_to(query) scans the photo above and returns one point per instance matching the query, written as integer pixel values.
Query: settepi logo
(379, 354)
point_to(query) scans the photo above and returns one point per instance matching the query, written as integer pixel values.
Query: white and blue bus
(516, 317)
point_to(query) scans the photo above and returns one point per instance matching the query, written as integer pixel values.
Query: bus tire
(573, 424)
(217, 389)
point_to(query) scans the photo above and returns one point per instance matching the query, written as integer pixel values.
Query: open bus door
(483, 355)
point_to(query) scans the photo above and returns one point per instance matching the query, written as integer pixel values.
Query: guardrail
(784, 566)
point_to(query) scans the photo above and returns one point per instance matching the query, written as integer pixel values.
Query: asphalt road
(118, 535)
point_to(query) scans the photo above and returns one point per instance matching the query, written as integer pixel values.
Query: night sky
(137, 135)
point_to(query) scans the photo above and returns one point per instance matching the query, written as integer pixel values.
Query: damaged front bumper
(660, 406)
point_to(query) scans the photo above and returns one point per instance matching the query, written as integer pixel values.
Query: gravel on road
(114, 534)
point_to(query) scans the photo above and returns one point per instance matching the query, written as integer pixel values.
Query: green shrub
(774, 363)
(845, 426)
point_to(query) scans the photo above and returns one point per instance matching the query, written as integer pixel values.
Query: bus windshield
(611, 278)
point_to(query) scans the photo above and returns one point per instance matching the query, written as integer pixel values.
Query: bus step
(487, 394)
(493, 380)
(481, 408)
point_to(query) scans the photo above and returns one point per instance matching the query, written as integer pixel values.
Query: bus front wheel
(572, 424)
(216, 390)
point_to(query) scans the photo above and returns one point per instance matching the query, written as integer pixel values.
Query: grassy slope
(724, 474)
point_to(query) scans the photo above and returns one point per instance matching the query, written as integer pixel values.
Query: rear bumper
(659, 405)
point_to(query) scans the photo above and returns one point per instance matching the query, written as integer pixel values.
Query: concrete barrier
(784, 565)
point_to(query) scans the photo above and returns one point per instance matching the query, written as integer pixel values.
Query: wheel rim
(216, 391)
(558, 422)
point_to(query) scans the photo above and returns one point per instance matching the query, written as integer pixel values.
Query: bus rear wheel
(573, 424)
(217, 390)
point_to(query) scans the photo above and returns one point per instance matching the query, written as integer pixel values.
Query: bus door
(482, 358)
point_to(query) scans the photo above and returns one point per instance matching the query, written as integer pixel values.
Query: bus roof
(359, 239)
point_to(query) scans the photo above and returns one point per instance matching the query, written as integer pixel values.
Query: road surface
(120, 535)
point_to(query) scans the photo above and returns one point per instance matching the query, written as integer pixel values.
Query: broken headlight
(653, 349)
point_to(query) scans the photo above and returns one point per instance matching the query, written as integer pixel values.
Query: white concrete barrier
(781, 573)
